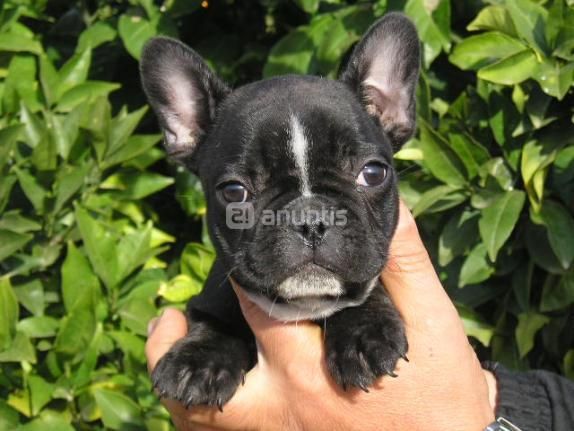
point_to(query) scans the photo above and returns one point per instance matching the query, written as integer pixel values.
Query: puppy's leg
(208, 364)
(364, 343)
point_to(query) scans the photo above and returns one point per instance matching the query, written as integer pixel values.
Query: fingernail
(151, 325)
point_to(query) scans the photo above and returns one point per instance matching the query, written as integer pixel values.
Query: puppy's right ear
(183, 92)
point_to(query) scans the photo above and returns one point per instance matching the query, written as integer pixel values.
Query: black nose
(312, 233)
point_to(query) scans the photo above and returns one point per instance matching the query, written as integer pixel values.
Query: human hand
(442, 387)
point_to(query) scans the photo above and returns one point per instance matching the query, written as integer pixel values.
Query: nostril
(312, 233)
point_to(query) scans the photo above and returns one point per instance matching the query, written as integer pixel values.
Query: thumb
(280, 343)
(411, 279)
(163, 333)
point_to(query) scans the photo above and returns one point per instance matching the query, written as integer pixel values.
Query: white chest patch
(299, 145)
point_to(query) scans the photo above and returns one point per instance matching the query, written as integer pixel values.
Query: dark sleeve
(534, 400)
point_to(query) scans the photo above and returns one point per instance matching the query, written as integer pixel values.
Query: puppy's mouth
(311, 283)
(310, 294)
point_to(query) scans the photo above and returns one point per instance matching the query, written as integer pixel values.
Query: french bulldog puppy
(290, 145)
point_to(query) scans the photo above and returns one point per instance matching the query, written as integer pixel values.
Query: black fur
(243, 136)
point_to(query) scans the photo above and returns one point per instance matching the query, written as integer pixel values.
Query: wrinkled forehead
(292, 128)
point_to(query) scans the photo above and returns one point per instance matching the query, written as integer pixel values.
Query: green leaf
(511, 70)
(76, 331)
(100, 246)
(118, 411)
(536, 157)
(48, 420)
(122, 126)
(20, 350)
(40, 393)
(69, 180)
(31, 296)
(560, 225)
(292, 54)
(458, 235)
(438, 199)
(478, 51)
(559, 295)
(9, 312)
(439, 158)
(84, 92)
(180, 288)
(95, 35)
(49, 79)
(309, 6)
(493, 18)
(38, 326)
(11, 242)
(540, 250)
(498, 220)
(196, 261)
(554, 78)
(133, 250)
(34, 129)
(134, 146)
(136, 185)
(21, 86)
(74, 72)
(15, 222)
(136, 314)
(9, 417)
(476, 268)
(432, 20)
(6, 186)
(8, 137)
(530, 20)
(475, 326)
(32, 189)
(17, 43)
(79, 284)
(135, 30)
(528, 325)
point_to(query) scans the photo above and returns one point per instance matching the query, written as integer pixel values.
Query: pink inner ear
(182, 115)
(389, 103)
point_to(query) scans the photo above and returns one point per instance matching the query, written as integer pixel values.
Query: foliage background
(98, 232)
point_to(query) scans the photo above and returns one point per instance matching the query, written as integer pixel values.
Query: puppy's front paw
(203, 368)
(362, 350)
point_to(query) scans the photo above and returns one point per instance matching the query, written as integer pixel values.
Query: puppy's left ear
(384, 69)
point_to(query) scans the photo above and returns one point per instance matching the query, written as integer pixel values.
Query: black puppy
(310, 163)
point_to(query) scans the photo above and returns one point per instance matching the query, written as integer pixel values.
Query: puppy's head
(297, 170)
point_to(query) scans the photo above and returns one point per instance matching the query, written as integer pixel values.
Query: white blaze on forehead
(299, 148)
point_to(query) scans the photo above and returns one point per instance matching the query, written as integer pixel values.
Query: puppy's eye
(372, 174)
(235, 192)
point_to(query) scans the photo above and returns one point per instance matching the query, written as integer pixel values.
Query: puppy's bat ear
(383, 69)
(183, 92)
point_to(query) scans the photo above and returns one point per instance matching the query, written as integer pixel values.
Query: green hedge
(98, 232)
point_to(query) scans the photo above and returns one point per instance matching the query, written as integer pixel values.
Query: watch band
(502, 424)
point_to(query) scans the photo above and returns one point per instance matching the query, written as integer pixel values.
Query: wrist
(492, 390)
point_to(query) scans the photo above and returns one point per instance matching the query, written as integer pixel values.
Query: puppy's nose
(312, 233)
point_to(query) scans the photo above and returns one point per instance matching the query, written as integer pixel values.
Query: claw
(404, 356)
(364, 387)
(242, 378)
(392, 374)
(220, 405)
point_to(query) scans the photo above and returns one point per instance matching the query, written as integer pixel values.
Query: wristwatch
(502, 424)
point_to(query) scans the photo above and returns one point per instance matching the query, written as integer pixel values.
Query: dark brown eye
(372, 174)
(235, 192)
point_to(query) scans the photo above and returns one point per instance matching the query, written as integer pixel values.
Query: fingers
(411, 279)
(280, 342)
(163, 333)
